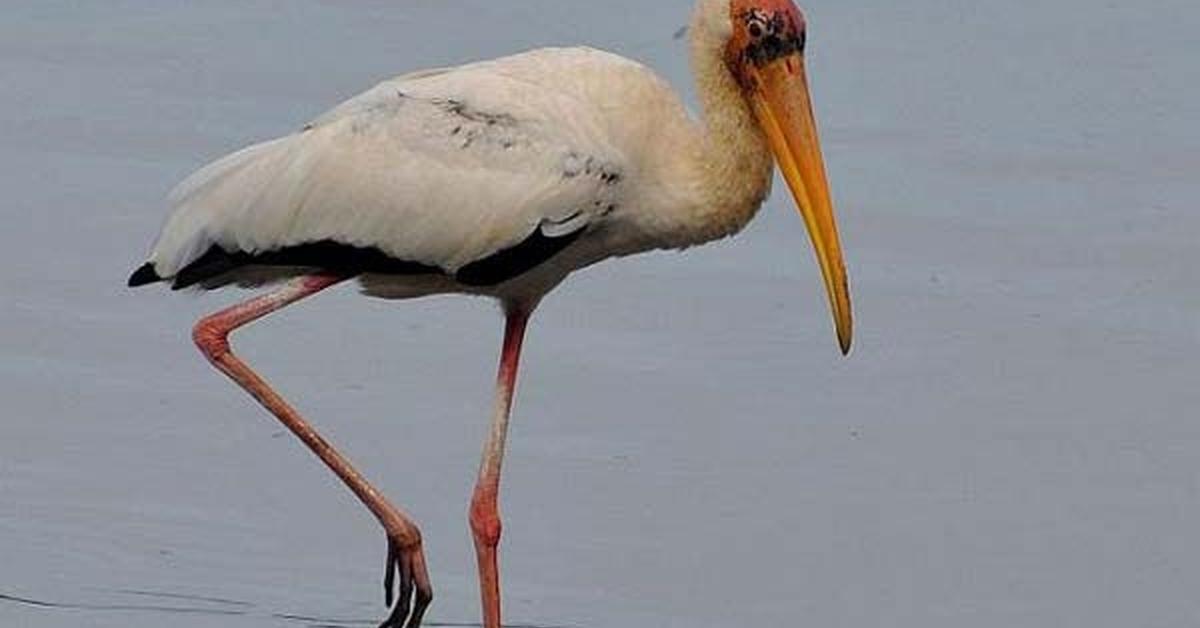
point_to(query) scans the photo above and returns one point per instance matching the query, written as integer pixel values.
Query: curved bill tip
(845, 339)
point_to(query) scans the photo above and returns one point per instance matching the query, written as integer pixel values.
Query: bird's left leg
(485, 515)
(405, 556)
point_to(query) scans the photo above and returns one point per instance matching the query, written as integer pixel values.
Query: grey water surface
(1015, 440)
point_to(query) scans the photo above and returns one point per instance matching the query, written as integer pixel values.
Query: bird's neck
(734, 164)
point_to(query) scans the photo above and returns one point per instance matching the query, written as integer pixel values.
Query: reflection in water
(213, 606)
(157, 608)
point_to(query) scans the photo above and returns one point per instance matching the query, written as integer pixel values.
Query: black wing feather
(513, 262)
(351, 260)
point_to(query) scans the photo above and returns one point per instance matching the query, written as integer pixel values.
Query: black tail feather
(144, 275)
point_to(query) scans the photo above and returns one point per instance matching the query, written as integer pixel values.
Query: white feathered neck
(733, 163)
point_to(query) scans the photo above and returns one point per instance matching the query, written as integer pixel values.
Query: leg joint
(485, 520)
(211, 338)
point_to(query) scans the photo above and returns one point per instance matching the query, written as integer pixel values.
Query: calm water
(1013, 443)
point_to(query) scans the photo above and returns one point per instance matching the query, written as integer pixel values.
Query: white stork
(500, 178)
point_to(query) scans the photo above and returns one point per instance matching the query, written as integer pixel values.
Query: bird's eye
(758, 24)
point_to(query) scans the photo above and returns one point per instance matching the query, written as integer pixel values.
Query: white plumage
(446, 167)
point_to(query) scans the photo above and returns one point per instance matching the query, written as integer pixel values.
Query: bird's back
(437, 170)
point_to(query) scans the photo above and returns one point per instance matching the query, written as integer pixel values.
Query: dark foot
(415, 594)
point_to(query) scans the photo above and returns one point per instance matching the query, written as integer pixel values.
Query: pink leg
(404, 539)
(485, 515)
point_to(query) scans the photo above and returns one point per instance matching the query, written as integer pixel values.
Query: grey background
(1013, 442)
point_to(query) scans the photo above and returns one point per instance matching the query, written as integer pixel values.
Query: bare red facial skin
(763, 31)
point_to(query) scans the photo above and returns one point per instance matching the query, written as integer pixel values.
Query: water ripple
(243, 609)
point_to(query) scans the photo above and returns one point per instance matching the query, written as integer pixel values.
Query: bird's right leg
(405, 556)
(485, 510)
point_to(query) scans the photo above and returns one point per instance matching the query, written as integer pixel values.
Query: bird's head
(764, 42)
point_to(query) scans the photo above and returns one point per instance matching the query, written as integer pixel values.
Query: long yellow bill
(780, 99)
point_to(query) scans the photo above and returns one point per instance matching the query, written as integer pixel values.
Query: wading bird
(500, 178)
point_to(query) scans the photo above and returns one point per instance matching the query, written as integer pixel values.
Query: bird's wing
(443, 168)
